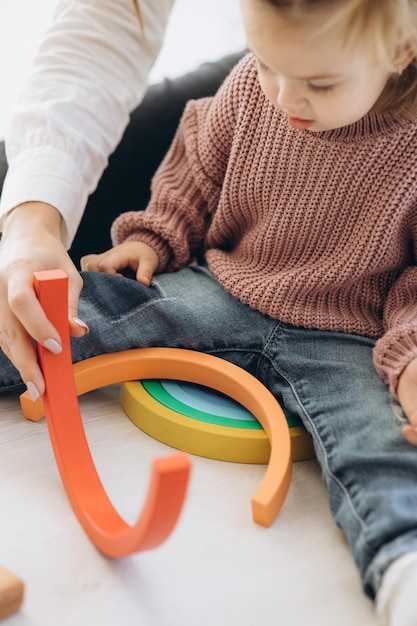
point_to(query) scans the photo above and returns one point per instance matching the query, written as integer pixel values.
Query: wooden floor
(217, 569)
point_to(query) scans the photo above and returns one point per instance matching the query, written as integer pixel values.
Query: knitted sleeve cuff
(392, 353)
(125, 228)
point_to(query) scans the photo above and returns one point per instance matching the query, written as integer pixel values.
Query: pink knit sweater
(315, 229)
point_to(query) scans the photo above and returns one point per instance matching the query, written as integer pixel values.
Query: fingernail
(33, 391)
(53, 346)
(79, 322)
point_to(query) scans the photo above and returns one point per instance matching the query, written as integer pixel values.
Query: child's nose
(289, 96)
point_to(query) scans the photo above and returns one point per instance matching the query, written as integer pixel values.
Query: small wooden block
(11, 593)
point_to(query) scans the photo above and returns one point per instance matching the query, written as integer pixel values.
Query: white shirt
(90, 72)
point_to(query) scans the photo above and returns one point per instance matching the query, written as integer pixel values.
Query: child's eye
(314, 87)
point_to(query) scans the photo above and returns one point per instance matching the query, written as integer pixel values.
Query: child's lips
(299, 123)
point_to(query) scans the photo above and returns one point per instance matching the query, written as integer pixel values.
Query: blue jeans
(327, 378)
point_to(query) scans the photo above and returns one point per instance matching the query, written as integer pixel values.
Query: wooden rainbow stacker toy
(199, 420)
(106, 529)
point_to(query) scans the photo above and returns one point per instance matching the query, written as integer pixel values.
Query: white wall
(199, 30)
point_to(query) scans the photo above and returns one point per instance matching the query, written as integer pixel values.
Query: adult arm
(91, 70)
(89, 73)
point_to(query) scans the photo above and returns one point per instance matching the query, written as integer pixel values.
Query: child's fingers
(144, 274)
(98, 263)
(110, 262)
(137, 256)
(147, 266)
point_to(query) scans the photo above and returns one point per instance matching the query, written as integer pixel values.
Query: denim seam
(215, 351)
(331, 475)
(157, 285)
(133, 312)
(264, 353)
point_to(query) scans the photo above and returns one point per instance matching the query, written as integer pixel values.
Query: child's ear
(403, 56)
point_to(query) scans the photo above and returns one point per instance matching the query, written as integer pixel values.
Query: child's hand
(139, 257)
(407, 395)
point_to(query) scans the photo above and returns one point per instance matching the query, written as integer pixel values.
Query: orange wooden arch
(169, 480)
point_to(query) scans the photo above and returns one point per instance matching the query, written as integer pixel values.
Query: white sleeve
(90, 72)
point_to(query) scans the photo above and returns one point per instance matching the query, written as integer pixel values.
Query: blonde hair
(386, 27)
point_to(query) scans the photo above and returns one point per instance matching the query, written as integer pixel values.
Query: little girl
(281, 235)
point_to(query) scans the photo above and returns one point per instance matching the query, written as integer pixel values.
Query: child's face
(312, 79)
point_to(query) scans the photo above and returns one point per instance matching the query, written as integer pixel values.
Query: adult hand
(31, 242)
(407, 395)
(137, 256)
